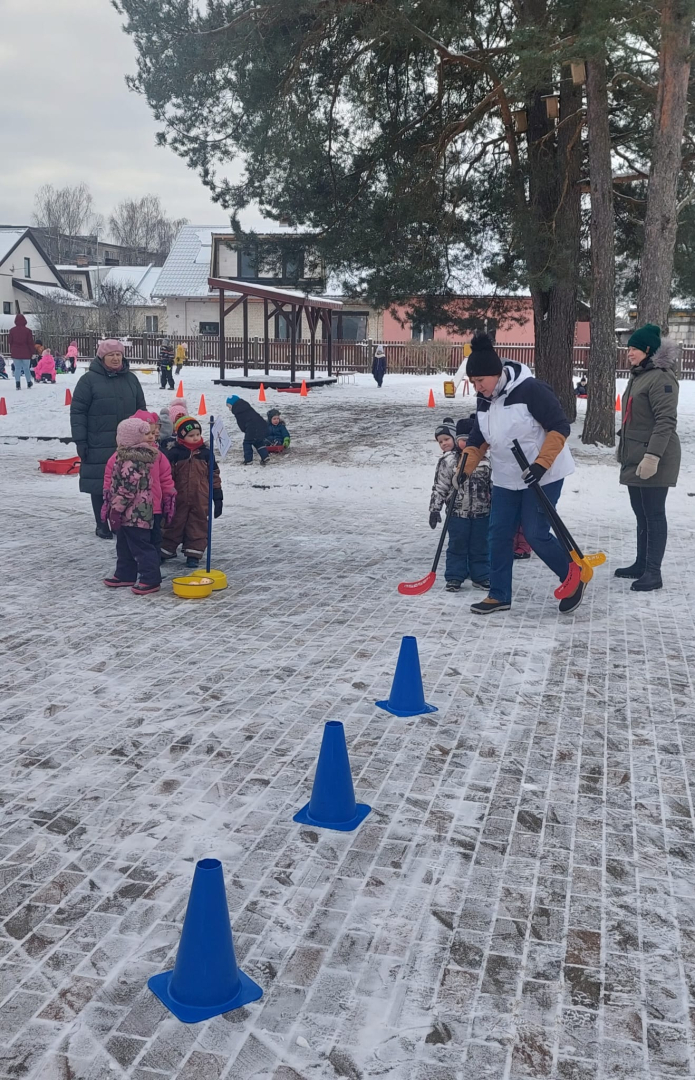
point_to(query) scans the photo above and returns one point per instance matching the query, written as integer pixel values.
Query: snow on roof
(51, 292)
(74, 267)
(187, 268)
(141, 278)
(8, 239)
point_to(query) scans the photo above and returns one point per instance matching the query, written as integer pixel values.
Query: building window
(422, 331)
(7, 307)
(27, 268)
(210, 328)
(248, 263)
(350, 325)
(152, 324)
(76, 287)
(293, 265)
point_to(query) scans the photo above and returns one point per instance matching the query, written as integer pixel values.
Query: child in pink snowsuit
(137, 485)
(45, 370)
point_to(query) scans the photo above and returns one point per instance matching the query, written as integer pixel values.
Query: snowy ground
(521, 901)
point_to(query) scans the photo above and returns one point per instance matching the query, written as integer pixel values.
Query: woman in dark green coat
(106, 394)
(649, 450)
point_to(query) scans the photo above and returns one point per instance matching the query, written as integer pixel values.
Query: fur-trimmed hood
(143, 455)
(666, 356)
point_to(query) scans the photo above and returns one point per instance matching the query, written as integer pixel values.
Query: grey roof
(141, 278)
(187, 269)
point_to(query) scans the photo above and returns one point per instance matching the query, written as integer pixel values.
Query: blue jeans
(509, 510)
(260, 447)
(22, 367)
(467, 553)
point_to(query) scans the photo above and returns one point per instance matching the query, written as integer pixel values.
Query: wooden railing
(403, 357)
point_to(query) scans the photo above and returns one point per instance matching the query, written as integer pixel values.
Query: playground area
(519, 904)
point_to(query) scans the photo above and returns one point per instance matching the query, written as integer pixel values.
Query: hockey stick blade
(571, 582)
(417, 588)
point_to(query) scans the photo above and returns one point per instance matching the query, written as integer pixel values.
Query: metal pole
(266, 343)
(221, 334)
(245, 323)
(211, 474)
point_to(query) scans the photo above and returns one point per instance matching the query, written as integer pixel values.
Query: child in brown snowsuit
(189, 458)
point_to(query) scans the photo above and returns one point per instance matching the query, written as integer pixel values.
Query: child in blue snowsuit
(467, 552)
(278, 435)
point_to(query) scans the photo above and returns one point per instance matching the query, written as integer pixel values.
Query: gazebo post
(293, 343)
(266, 343)
(245, 323)
(311, 319)
(221, 335)
(329, 343)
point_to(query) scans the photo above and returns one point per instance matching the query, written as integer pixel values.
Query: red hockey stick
(417, 588)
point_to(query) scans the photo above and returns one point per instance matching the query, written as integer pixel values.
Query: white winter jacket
(521, 408)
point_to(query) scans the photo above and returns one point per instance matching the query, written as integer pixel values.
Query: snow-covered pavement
(521, 901)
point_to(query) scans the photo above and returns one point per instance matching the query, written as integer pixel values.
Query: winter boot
(453, 586)
(247, 462)
(522, 554)
(192, 563)
(144, 590)
(648, 582)
(639, 565)
(103, 532)
(18, 386)
(569, 603)
(488, 605)
(481, 585)
(264, 461)
(116, 583)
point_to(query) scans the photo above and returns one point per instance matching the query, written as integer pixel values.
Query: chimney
(81, 260)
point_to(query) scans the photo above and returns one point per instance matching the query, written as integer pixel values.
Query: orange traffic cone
(202, 411)
(431, 402)
(618, 406)
(179, 391)
(68, 396)
(304, 392)
(3, 407)
(261, 393)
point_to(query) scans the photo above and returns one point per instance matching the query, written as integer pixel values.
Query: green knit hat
(647, 339)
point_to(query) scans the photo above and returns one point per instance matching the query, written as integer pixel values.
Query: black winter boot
(639, 565)
(648, 582)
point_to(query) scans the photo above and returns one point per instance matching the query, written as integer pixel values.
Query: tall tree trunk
(599, 426)
(553, 238)
(656, 269)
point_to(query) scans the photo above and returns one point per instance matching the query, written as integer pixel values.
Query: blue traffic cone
(206, 980)
(407, 695)
(332, 804)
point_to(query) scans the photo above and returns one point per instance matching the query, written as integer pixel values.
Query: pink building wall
(515, 329)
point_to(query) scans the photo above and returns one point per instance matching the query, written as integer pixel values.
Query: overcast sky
(68, 115)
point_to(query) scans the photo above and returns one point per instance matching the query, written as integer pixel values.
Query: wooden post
(221, 334)
(245, 324)
(312, 348)
(266, 343)
(329, 343)
(293, 343)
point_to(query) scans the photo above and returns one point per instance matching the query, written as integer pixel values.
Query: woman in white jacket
(513, 405)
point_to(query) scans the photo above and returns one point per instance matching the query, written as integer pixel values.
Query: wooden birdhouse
(578, 69)
(520, 121)
(552, 105)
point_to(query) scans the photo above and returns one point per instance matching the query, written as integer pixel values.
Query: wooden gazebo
(289, 304)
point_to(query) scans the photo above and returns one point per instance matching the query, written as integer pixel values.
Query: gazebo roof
(269, 292)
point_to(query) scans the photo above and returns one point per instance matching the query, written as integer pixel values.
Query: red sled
(275, 449)
(289, 389)
(62, 466)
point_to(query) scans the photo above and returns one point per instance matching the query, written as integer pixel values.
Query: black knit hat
(465, 426)
(272, 413)
(446, 429)
(483, 359)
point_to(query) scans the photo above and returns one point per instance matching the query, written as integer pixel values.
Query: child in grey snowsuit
(467, 552)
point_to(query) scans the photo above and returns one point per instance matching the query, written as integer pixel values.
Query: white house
(27, 276)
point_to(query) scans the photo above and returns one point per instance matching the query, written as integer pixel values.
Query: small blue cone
(206, 980)
(407, 695)
(332, 804)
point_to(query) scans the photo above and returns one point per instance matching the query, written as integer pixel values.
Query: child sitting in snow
(254, 427)
(278, 437)
(45, 370)
(137, 485)
(467, 552)
(190, 462)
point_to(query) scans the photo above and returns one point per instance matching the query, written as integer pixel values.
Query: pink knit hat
(131, 433)
(148, 417)
(110, 345)
(178, 408)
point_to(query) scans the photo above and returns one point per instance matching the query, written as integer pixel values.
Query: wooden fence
(403, 357)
